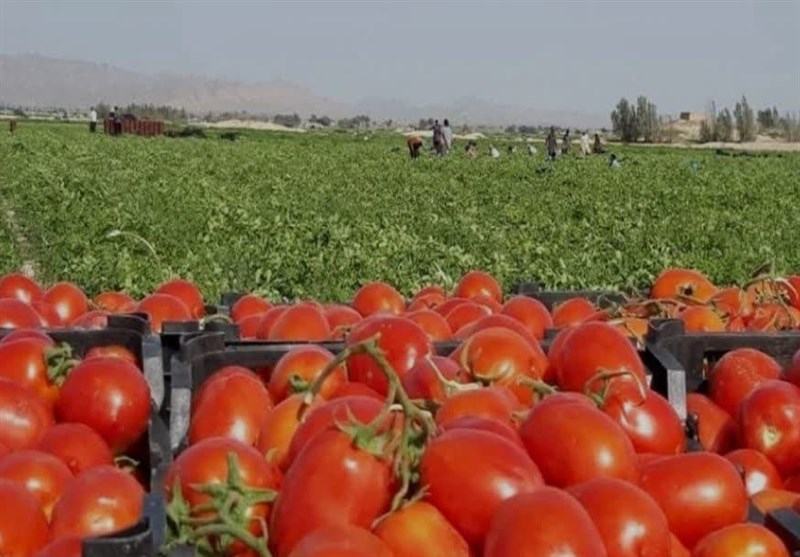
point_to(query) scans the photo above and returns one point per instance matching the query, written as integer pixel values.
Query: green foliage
(745, 121)
(317, 215)
(723, 127)
(623, 119)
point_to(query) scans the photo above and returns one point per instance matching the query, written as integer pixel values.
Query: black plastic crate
(551, 298)
(785, 523)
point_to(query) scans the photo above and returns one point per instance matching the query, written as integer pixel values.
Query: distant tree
(646, 119)
(425, 124)
(511, 130)
(789, 125)
(362, 121)
(707, 131)
(723, 127)
(19, 113)
(745, 120)
(768, 118)
(321, 120)
(526, 130)
(623, 119)
(288, 120)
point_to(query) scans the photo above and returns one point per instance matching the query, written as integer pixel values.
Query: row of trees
(633, 122)
(724, 125)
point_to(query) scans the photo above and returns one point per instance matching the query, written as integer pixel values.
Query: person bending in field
(550, 144)
(471, 150)
(414, 143)
(566, 144)
(438, 138)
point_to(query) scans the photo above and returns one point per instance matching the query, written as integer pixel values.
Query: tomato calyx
(607, 377)
(540, 388)
(216, 525)
(60, 362)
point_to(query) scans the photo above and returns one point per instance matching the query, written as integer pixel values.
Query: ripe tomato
(572, 442)
(378, 297)
(572, 312)
(403, 343)
(792, 373)
(489, 303)
(24, 416)
(78, 446)
(64, 547)
(759, 472)
(676, 548)
(24, 363)
(15, 314)
(23, 530)
(48, 315)
(340, 319)
(430, 295)
(465, 314)
(163, 307)
(207, 463)
(485, 424)
(42, 474)
(737, 374)
(652, 424)
(341, 540)
(119, 395)
(478, 283)
(112, 351)
(676, 283)
(248, 327)
(20, 287)
(449, 305)
(311, 496)
(701, 319)
(592, 349)
(248, 306)
(772, 499)
(630, 522)
(563, 527)
(496, 403)
(19, 334)
(717, 431)
(114, 302)
(530, 312)
(423, 380)
(741, 540)
(278, 428)
(231, 403)
(69, 300)
(504, 358)
(187, 292)
(299, 368)
(469, 500)
(733, 301)
(99, 501)
(774, 316)
(267, 320)
(355, 389)
(497, 320)
(94, 319)
(698, 492)
(432, 323)
(769, 422)
(420, 530)
(304, 321)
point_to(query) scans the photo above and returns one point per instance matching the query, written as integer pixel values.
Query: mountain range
(38, 81)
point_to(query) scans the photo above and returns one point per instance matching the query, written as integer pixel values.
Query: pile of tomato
(500, 449)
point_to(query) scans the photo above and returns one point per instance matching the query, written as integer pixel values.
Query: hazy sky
(569, 55)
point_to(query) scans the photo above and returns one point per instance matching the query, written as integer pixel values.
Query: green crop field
(316, 215)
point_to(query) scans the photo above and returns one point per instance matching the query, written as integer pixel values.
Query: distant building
(693, 117)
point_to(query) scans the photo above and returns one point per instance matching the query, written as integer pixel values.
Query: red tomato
(378, 297)
(299, 368)
(485, 424)
(420, 530)
(248, 306)
(792, 290)
(341, 319)
(572, 442)
(301, 322)
(504, 358)
(187, 292)
(531, 313)
(20, 287)
(496, 403)
(741, 540)
(430, 292)
(15, 314)
(497, 320)
(64, 547)
(311, 496)
(267, 320)
(278, 428)
(24, 363)
(68, 300)
(466, 314)
(449, 305)
(23, 530)
(424, 380)
(772, 316)
(759, 473)
(248, 327)
(698, 492)
(701, 319)
(42, 474)
(115, 302)
(675, 283)
(469, 500)
(403, 343)
(95, 319)
(717, 431)
(737, 374)
(427, 298)
(630, 522)
(112, 351)
(792, 373)
(563, 527)
(76, 445)
(592, 349)
(119, 395)
(99, 501)
(432, 323)
(478, 283)
(207, 463)
(769, 422)
(19, 334)
(24, 416)
(572, 312)
(341, 541)
(48, 315)
(772, 499)
(233, 403)
(355, 389)
(652, 425)
(163, 307)
(676, 547)
(489, 303)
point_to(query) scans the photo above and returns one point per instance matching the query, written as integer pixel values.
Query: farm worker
(414, 144)
(92, 120)
(585, 149)
(532, 150)
(598, 149)
(117, 121)
(447, 133)
(438, 137)
(550, 144)
(613, 162)
(566, 143)
(493, 152)
(472, 149)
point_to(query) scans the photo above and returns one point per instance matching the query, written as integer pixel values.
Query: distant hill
(39, 81)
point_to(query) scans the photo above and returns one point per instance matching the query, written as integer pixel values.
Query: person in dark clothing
(550, 144)
(117, 121)
(597, 148)
(566, 143)
(414, 145)
(438, 138)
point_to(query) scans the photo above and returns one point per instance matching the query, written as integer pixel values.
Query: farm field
(316, 215)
